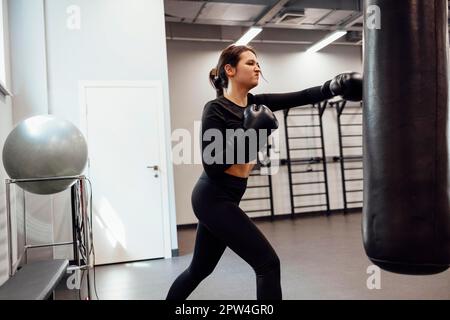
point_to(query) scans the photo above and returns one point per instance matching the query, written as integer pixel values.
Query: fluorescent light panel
(248, 36)
(326, 41)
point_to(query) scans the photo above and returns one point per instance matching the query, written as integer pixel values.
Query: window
(2, 51)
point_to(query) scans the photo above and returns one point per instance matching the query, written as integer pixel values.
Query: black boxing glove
(259, 117)
(347, 85)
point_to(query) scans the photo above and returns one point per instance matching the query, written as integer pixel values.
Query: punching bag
(406, 214)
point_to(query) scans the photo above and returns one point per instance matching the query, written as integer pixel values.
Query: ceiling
(301, 21)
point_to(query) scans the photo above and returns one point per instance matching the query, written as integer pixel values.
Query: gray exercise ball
(41, 147)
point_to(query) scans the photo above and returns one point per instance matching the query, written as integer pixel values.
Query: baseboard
(284, 216)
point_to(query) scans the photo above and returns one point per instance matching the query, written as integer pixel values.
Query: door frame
(163, 172)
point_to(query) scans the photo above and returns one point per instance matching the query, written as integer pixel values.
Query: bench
(34, 281)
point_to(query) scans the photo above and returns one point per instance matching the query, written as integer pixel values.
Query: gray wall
(118, 40)
(5, 128)
(286, 68)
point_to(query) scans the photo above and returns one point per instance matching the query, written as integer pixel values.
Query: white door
(124, 143)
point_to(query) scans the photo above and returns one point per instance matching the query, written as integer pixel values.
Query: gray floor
(321, 258)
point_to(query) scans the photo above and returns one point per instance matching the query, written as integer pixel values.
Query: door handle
(155, 168)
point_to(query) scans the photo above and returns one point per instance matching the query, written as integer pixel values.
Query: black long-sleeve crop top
(221, 114)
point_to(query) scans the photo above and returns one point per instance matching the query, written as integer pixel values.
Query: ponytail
(216, 82)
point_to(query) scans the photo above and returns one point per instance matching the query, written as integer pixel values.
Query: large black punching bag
(406, 215)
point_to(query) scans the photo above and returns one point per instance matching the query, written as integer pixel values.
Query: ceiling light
(248, 36)
(326, 41)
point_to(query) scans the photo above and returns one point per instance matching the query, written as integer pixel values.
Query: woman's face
(247, 71)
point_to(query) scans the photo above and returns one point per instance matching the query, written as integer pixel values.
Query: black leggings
(223, 224)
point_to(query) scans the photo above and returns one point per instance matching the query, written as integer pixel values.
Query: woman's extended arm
(279, 101)
(347, 85)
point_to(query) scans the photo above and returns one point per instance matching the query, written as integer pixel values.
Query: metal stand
(82, 227)
(263, 168)
(350, 130)
(268, 199)
(302, 144)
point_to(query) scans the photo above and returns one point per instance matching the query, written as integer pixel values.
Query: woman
(216, 196)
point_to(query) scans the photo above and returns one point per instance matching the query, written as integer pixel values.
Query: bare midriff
(240, 170)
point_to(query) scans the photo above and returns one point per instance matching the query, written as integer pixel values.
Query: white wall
(28, 62)
(118, 40)
(286, 68)
(5, 128)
